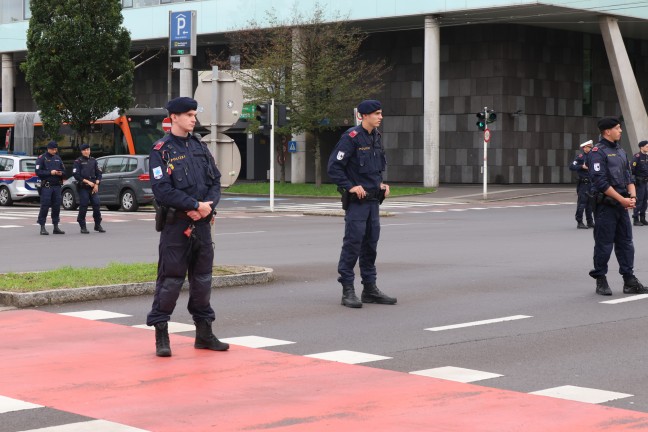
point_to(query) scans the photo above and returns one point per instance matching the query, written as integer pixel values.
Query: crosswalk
(92, 390)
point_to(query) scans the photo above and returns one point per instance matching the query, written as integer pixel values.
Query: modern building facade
(549, 69)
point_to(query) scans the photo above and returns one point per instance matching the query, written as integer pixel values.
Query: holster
(164, 215)
(345, 198)
(381, 195)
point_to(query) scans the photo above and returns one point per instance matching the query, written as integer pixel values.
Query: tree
(78, 66)
(312, 65)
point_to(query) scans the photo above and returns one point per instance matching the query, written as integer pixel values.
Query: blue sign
(182, 33)
(292, 146)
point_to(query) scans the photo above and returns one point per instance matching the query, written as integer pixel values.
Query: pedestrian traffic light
(263, 116)
(481, 121)
(283, 115)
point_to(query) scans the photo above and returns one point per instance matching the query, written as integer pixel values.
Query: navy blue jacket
(577, 165)
(358, 159)
(183, 172)
(86, 168)
(640, 165)
(44, 166)
(609, 166)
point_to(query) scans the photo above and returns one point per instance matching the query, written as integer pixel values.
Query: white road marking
(626, 299)
(256, 341)
(174, 327)
(92, 425)
(9, 405)
(581, 394)
(478, 323)
(458, 374)
(95, 314)
(349, 357)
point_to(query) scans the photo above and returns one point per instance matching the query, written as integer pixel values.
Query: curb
(248, 275)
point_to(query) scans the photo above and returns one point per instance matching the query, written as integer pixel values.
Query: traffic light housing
(263, 116)
(283, 115)
(492, 116)
(481, 121)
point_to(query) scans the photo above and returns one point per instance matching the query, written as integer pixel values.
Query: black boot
(643, 219)
(371, 294)
(99, 228)
(43, 230)
(602, 287)
(57, 230)
(581, 225)
(162, 344)
(205, 337)
(636, 221)
(590, 224)
(349, 298)
(84, 230)
(631, 285)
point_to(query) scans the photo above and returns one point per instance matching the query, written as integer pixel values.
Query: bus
(22, 133)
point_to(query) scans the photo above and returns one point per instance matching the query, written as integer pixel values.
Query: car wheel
(5, 196)
(113, 207)
(69, 202)
(128, 201)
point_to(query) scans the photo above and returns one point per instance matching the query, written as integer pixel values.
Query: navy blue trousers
(175, 262)
(613, 230)
(583, 205)
(642, 199)
(85, 197)
(50, 197)
(360, 243)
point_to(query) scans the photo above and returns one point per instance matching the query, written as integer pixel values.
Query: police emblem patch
(597, 166)
(157, 173)
(340, 155)
(575, 163)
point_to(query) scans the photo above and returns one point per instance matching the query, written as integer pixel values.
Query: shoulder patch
(637, 155)
(580, 155)
(352, 134)
(158, 145)
(595, 149)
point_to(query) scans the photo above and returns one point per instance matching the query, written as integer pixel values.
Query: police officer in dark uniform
(88, 176)
(186, 185)
(612, 180)
(50, 170)
(580, 166)
(640, 172)
(355, 166)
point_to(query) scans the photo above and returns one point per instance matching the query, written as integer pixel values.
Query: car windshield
(28, 165)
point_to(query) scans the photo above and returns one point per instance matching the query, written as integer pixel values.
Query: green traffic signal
(481, 122)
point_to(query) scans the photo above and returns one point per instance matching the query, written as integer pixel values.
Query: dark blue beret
(642, 143)
(181, 105)
(85, 146)
(52, 144)
(369, 106)
(607, 123)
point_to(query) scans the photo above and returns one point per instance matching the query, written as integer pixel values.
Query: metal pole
(485, 196)
(169, 64)
(272, 152)
(214, 130)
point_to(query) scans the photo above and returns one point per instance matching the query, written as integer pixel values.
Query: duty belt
(584, 180)
(49, 184)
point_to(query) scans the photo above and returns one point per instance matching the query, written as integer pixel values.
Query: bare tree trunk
(283, 142)
(318, 164)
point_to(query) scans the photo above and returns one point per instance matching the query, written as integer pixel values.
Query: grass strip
(310, 190)
(75, 277)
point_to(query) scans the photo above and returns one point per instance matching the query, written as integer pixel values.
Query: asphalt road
(518, 268)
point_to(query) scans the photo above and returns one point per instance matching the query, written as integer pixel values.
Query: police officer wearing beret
(580, 166)
(612, 180)
(50, 170)
(88, 176)
(186, 184)
(640, 172)
(355, 166)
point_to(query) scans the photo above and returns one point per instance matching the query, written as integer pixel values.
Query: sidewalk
(474, 193)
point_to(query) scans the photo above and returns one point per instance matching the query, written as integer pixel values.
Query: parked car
(125, 184)
(18, 180)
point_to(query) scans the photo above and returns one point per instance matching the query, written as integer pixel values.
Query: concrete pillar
(186, 76)
(431, 96)
(298, 159)
(7, 83)
(632, 106)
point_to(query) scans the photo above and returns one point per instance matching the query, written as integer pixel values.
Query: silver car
(125, 184)
(18, 180)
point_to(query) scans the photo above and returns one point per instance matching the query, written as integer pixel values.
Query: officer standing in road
(580, 166)
(355, 166)
(186, 185)
(88, 176)
(615, 193)
(50, 170)
(640, 172)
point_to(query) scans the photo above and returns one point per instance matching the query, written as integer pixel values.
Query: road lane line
(478, 323)
(626, 299)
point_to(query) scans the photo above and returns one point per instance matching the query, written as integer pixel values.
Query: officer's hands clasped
(204, 210)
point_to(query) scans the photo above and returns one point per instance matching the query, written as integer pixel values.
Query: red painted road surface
(109, 371)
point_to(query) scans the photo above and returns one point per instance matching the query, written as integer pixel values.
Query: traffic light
(492, 116)
(283, 115)
(263, 116)
(481, 121)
